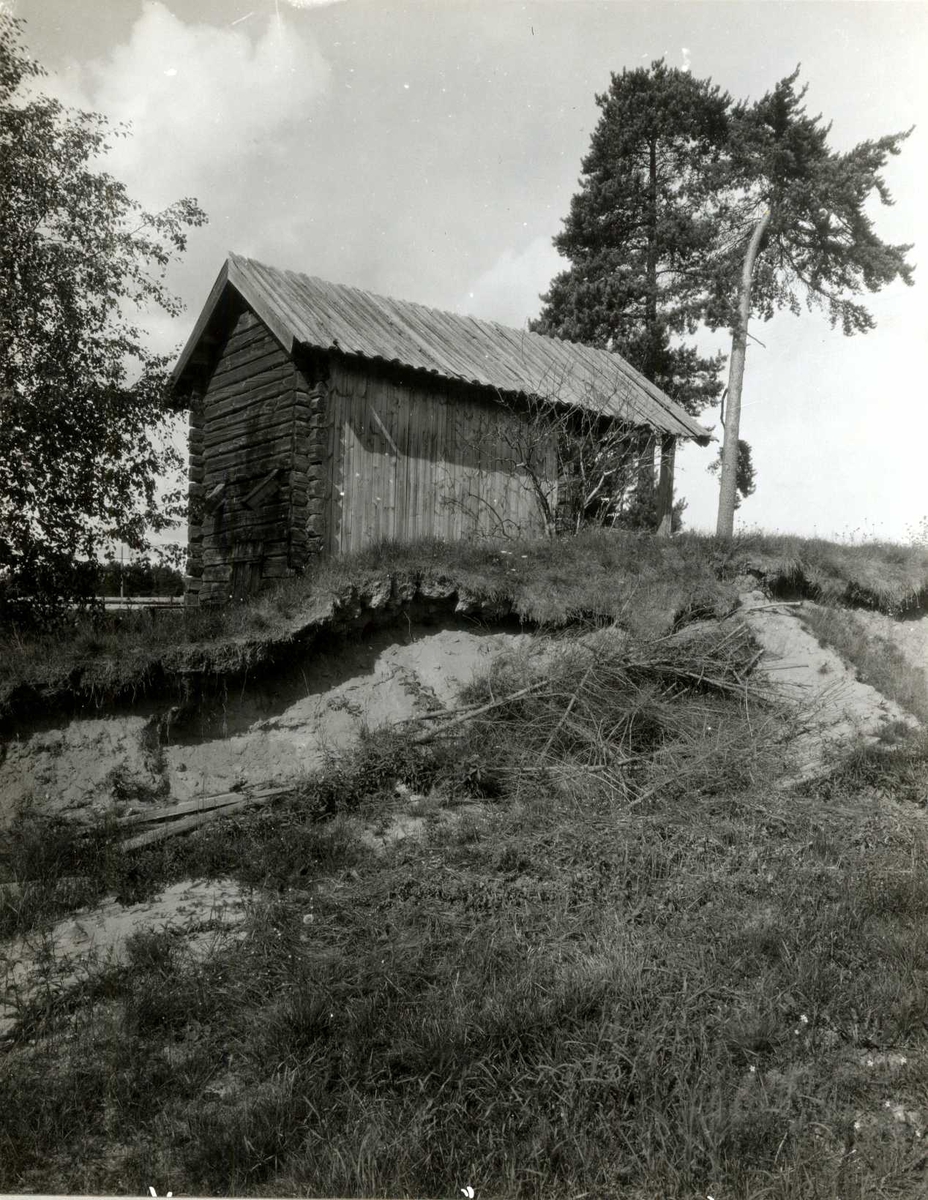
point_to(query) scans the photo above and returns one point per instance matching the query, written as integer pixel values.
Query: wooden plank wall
(409, 460)
(247, 425)
(310, 466)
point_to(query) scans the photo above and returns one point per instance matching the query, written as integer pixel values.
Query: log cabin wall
(245, 483)
(195, 470)
(410, 458)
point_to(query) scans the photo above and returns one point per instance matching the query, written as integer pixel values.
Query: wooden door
(247, 560)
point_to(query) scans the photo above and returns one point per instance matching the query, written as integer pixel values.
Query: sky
(428, 150)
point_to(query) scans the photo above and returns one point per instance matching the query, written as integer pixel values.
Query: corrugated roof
(329, 316)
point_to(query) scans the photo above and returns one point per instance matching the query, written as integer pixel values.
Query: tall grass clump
(604, 706)
(49, 866)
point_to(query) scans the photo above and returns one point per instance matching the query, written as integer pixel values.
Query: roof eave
(230, 278)
(685, 428)
(263, 300)
(187, 357)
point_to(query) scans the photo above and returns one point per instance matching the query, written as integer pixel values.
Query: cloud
(508, 292)
(312, 3)
(219, 113)
(201, 101)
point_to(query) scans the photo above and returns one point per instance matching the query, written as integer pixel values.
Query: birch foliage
(84, 419)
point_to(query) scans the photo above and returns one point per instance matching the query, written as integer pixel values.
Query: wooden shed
(324, 419)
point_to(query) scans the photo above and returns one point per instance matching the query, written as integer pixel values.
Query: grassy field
(648, 585)
(619, 962)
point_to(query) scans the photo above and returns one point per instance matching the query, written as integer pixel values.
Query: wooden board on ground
(204, 809)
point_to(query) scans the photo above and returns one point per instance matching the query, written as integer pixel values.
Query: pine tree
(801, 208)
(746, 475)
(637, 230)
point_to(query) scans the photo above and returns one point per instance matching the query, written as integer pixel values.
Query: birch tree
(84, 417)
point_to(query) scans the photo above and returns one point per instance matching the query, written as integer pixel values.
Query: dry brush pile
(624, 715)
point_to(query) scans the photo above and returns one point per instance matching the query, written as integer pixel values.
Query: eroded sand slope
(262, 734)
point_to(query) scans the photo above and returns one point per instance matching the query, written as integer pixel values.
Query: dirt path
(831, 705)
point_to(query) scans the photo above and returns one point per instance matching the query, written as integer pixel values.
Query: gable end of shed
(251, 417)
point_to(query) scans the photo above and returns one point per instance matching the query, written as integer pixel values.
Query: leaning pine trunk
(727, 491)
(646, 457)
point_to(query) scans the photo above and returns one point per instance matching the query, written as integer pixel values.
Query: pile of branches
(604, 705)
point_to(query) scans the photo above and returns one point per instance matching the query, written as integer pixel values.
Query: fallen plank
(150, 836)
(198, 805)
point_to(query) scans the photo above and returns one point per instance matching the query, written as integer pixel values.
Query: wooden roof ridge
(304, 309)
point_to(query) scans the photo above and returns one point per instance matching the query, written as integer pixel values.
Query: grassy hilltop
(646, 585)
